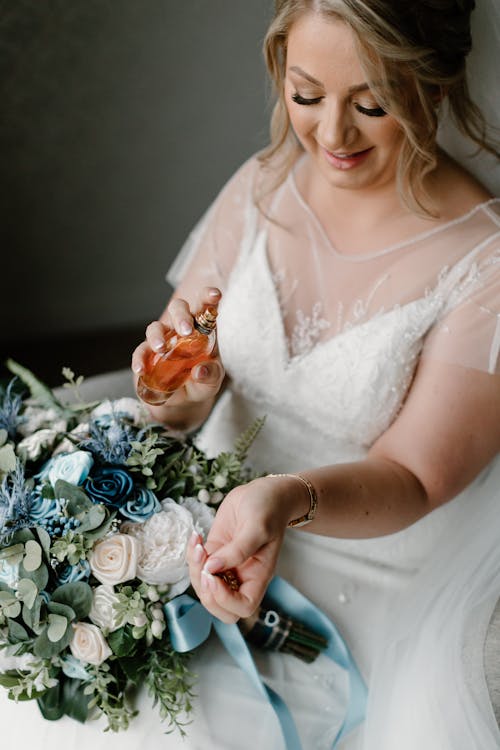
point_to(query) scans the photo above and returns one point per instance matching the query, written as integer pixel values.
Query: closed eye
(298, 99)
(371, 111)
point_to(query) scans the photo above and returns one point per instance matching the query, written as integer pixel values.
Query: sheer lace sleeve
(468, 332)
(208, 255)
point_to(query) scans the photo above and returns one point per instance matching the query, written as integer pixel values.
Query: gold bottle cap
(205, 320)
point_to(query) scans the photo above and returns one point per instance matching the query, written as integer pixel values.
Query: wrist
(302, 500)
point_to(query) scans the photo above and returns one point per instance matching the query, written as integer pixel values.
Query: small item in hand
(230, 577)
(273, 630)
(166, 371)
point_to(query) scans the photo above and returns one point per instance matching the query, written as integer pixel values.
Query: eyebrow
(352, 89)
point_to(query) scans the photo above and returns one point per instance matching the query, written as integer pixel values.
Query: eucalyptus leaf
(64, 610)
(13, 554)
(32, 556)
(93, 518)
(16, 632)
(45, 648)
(40, 576)
(77, 501)
(48, 491)
(44, 539)
(27, 592)
(31, 615)
(7, 458)
(57, 626)
(22, 536)
(77, 595)
(101, 530)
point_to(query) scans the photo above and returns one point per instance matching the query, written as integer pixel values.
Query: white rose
(163, 540)
(80, 432)
(102, 612)
(31, 447)
(114, 559)
(130, 407)
(88, 644)
(72, 467)
(36, 417)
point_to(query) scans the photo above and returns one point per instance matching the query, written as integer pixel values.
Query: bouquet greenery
(97, 505)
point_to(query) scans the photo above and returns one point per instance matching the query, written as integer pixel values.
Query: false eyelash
(371, 112)
(298, 99)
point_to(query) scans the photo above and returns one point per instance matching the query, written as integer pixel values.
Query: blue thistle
(10, 408)
(110, 440)
(16, 497)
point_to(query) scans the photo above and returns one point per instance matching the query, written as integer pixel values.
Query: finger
(196, 557)
(181, 316)
(234, 554)
(209, 373)
(210, 295)
(211, 593)
(138, 356)
(155, 335)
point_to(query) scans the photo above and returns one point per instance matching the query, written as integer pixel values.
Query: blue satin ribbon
(190, 624)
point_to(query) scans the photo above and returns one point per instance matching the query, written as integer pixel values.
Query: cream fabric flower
(88, 644)
(114, 559)
(102, 612)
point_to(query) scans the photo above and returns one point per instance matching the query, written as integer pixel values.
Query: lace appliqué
(307, 331)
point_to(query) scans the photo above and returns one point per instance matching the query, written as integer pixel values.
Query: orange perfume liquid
(166, 371)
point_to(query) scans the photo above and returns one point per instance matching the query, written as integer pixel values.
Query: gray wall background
(121, 120)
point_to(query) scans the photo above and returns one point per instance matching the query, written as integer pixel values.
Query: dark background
(120, 121)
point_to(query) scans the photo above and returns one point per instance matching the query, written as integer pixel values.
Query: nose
(336, 129)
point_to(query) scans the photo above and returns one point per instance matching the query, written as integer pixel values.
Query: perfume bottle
(166, 371)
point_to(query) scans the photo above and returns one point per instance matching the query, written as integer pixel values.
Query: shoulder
(458, 190)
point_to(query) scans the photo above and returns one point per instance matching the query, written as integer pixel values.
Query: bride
(355, 265)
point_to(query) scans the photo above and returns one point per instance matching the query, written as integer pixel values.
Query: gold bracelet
(313, 500)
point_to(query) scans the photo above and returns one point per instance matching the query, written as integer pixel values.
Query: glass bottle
(166, 371)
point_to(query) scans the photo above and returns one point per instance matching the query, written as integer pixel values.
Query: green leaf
(13, 554)
(38, 390)
(92, 519)
(51, 703)
(40, 576)
(16, 632)
(3, 436)
(62, 609)
(78, 501)
(48, 491)
(7, 458)
(27, 592)
(45, 648)
(10, 679)
(31, 615)
(121, 642)
(77, 595)
(57, 626)
(44, 539)
(74, 701)
(101, 530)
(32, 556)
(134, 668)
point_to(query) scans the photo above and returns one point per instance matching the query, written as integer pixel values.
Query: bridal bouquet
(96, 508)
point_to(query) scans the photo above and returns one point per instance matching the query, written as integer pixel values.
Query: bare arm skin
(446, 433)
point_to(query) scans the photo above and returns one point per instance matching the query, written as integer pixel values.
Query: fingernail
(185, 328)
(198, 553)
(137, 369)
(204, 580)
(194, 539)
(158, 345)
(213, 293)
(201, 372)
(214, 565)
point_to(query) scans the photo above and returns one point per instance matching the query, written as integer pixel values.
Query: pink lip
(348, 161)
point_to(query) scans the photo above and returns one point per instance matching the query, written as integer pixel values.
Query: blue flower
(141, 505)
(43, 508)
(109, 485)
(71, 573)
(72, 467)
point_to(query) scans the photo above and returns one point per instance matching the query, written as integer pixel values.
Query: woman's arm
(447, 431)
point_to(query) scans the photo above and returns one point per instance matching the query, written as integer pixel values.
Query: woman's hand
(206, 377)
(246, 537)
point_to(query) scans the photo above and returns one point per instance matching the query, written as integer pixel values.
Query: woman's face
(352, 141)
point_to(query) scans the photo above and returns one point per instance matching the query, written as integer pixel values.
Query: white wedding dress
(325, 345)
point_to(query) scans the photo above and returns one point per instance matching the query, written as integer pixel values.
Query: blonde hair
(417, 50)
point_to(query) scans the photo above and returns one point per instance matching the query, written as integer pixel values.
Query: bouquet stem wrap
(190, 624)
